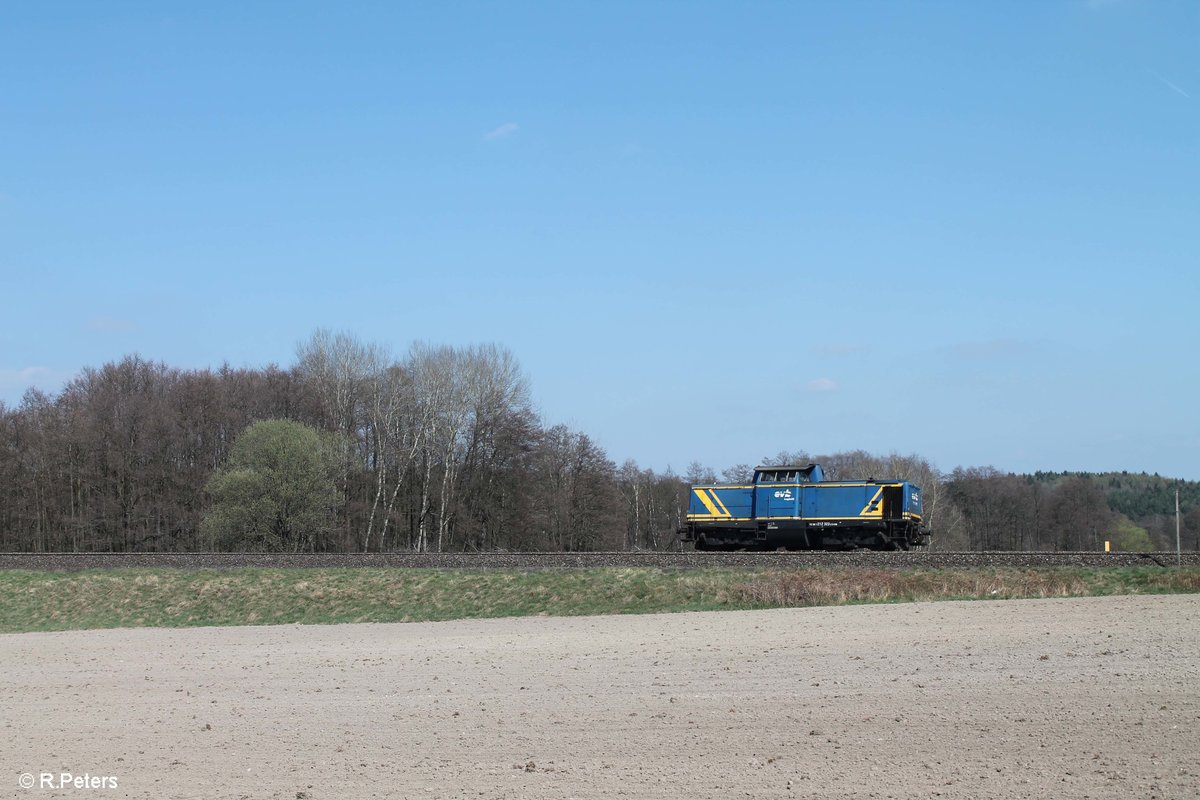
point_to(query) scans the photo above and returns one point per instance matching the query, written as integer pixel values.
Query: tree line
(437, 449)
(993, 510)
(356, 449)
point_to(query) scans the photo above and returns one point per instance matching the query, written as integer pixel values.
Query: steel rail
(592, 560)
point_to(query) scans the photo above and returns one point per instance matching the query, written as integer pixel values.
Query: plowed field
(1095, 697)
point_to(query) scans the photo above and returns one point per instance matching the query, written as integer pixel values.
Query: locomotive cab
(810, 474)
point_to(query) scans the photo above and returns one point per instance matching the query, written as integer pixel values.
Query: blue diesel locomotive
(793, 507)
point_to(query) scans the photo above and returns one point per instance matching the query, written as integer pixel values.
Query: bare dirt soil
(1096, 697)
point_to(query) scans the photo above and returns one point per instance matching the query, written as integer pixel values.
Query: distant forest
(354, 449)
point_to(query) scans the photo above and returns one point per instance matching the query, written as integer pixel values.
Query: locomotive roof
(779, 467)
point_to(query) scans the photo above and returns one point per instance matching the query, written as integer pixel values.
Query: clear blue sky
(708, 231)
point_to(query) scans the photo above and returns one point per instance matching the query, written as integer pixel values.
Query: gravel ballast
(65, 562)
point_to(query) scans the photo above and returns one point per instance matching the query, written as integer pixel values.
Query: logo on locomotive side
(784, 494)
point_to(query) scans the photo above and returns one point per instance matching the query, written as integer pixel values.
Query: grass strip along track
(48, 601)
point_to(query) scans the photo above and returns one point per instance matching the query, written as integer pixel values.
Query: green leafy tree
(278, 491)
(1128, 537)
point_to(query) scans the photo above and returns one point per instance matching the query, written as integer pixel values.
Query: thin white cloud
(821, 385)
(839, 349)
(507, 129)
(1170, 85)
(15, 381)
(993, 348)
(111, 325)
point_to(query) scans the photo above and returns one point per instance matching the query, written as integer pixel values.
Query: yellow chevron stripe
(868, 510)
(712, 510)
(717, 499)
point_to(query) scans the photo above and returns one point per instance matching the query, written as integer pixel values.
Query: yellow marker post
(1107, 546)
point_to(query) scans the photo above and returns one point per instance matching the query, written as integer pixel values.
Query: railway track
(677, 560)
